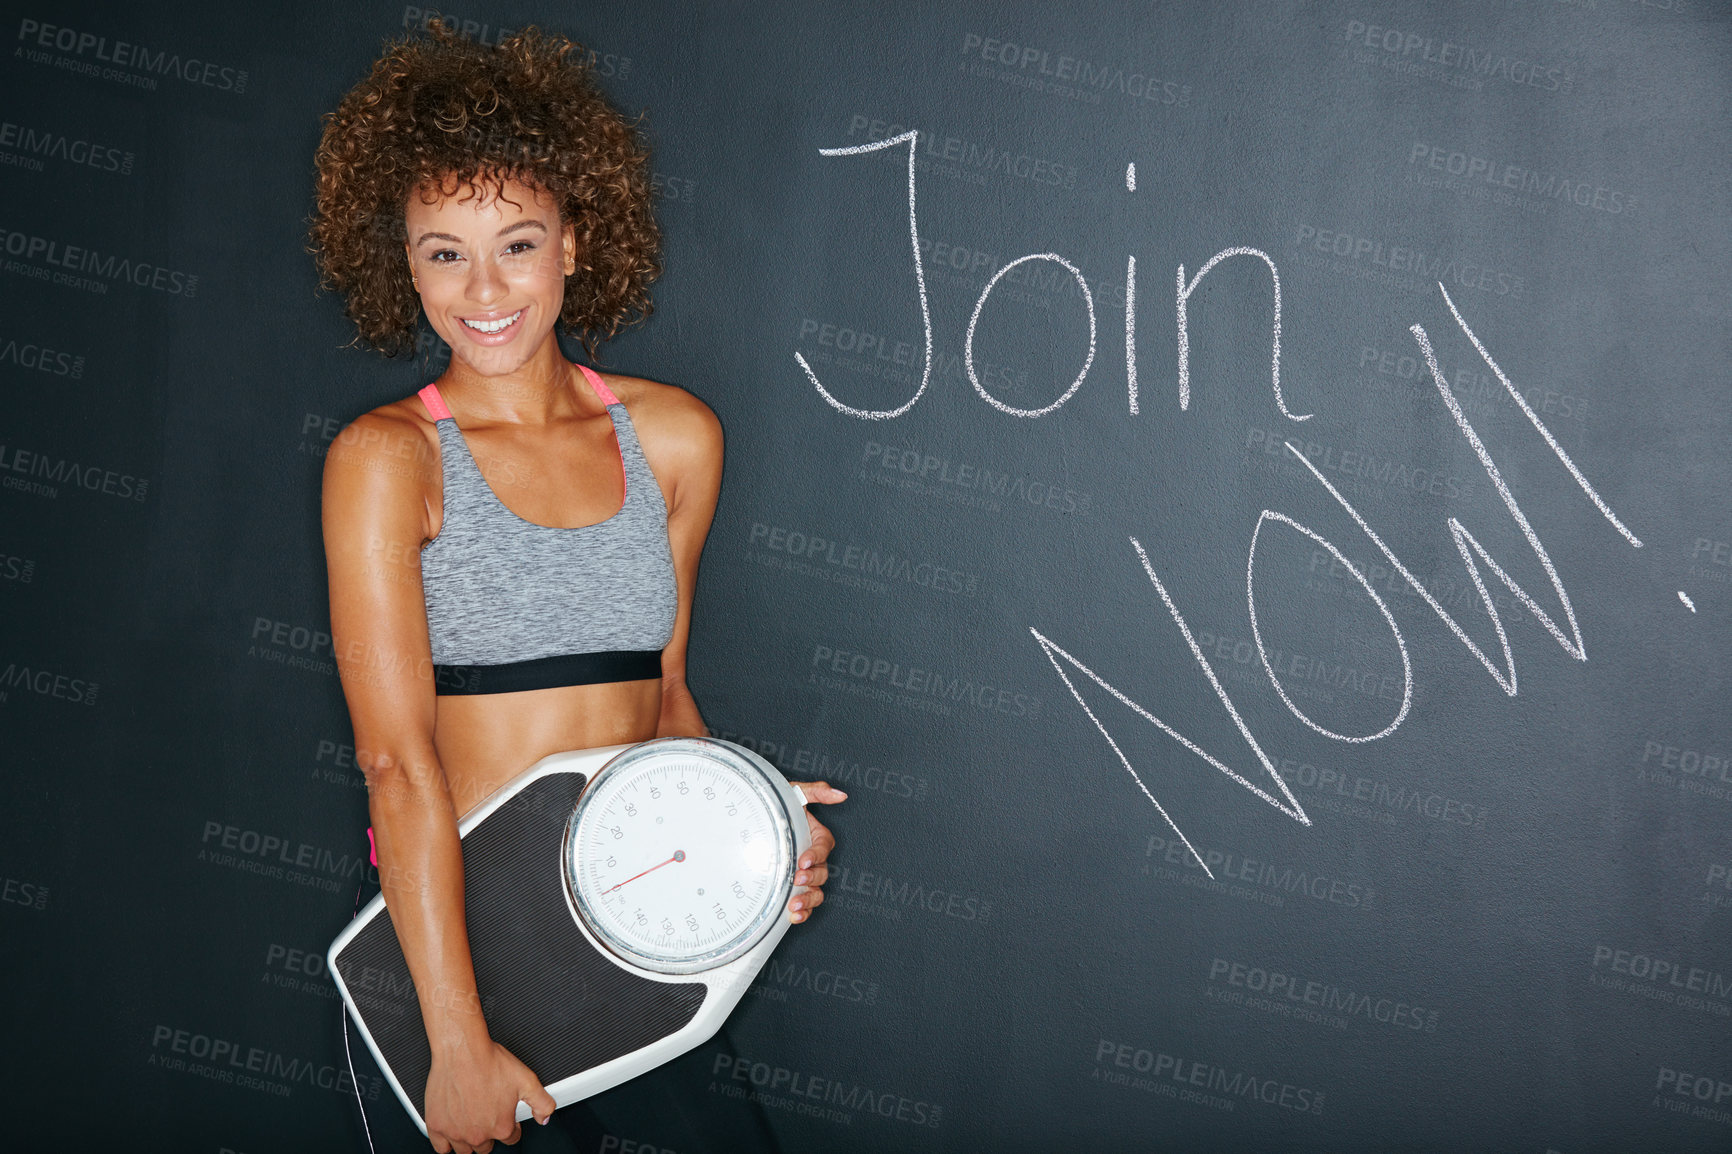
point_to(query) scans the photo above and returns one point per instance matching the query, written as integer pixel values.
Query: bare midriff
(485, 740)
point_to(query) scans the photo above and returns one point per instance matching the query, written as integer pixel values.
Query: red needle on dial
(679, 855)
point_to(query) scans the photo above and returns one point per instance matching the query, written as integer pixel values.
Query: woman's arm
(687, 457)
(375, 520)
(688, 445)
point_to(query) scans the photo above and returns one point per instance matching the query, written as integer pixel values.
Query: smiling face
(490, 267)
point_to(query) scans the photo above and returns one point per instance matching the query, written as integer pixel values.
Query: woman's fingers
(821, 792)
(813, 870)
(823, 841)
(541, 1103)
(801, 907)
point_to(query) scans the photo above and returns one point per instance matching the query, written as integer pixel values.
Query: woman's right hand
(472, 1096)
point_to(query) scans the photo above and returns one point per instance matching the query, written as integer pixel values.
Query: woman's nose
(486, 282)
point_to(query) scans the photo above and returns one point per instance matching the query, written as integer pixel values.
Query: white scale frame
(726, 983)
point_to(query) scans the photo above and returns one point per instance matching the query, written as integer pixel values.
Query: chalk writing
(1474, 555)
(909, 138)
(1256, 634)
(968, 342)
(1185, 292)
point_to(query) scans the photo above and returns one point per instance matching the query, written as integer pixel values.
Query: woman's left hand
(812, 872)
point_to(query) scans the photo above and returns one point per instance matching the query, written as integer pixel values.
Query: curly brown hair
(448, 113)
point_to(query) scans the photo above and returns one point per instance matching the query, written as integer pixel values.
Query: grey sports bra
(512, 605)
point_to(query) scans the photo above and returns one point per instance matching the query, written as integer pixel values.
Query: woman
(512, 552)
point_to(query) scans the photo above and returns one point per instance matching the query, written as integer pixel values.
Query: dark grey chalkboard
(1256, 738)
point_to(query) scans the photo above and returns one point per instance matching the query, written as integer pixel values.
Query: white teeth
(497, 326)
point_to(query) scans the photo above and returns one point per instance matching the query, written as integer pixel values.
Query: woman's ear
(568, 240)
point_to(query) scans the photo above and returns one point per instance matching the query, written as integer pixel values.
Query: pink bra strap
(596, 383)
(435, 403)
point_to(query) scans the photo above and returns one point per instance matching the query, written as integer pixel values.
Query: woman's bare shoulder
(394, 442)
(668, 413)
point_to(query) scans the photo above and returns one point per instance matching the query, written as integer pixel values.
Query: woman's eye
(518, 247)
(443, 256)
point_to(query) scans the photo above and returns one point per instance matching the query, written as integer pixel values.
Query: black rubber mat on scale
(549, 996)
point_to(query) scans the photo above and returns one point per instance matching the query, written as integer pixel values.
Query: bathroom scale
(618, 900)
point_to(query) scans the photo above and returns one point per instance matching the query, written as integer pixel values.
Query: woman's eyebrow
(427, 236)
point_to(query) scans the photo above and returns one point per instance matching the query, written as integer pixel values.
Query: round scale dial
(680, 854)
